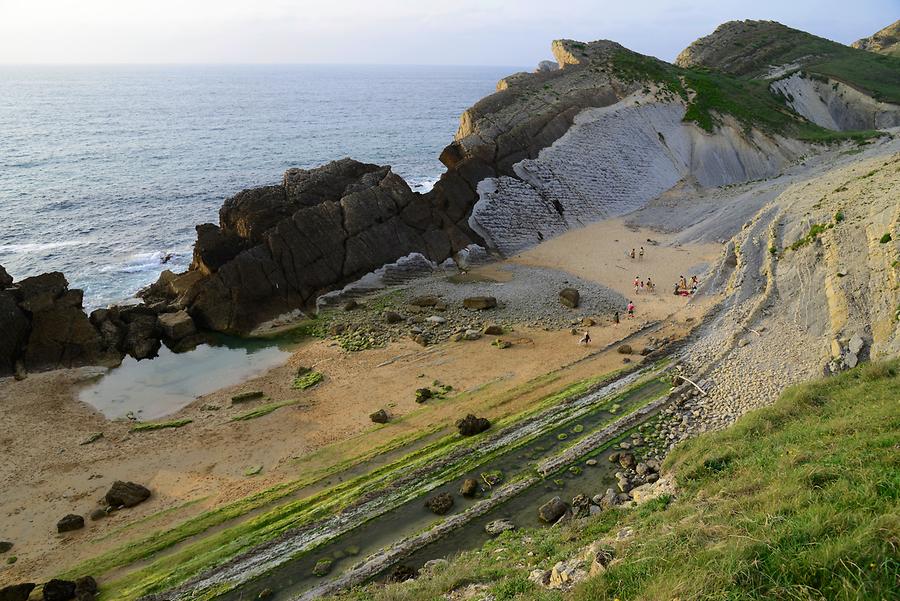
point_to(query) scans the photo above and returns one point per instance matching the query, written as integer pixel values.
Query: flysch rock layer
(612, 161)
(835, 105)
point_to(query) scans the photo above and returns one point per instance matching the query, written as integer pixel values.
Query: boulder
(440, 504)
(625, 349)
(551, 511)
(479, 303)
(69, 523)
(176, 326)
(599, 556)
(566, 573)
(380, 417)
(59, 590)
(5, 546)
(17, 592)
(627, 460)
(469, 488)
(428, 300)
(322, 567)
(141, 339)
(471, 335)
(493, 330)
(423, 394)
(498, 527)
(85, 588)
(126, 494)
(856, 344)
(569, 297)
(471, 425)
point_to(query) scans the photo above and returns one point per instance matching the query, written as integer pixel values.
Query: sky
(422, 32)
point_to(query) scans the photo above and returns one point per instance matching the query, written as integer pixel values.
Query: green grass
(150, 426)
(749, 101)
(262, 410)
(797, 501)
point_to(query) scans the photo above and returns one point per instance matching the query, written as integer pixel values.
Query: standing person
(650, 285)
(586, 339)
(642, 253)
(637, 282)
(682, 283)
(632, 253)
(616, 318)
(642, 285)
(630, 309)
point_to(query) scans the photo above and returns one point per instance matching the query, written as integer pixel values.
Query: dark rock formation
(17, 592)
(59, 590)
(5, 546)
(176, 326)
(380, 417)
(471, 425)
(5, 279)
(69, 523)
(278, 247)
(86, 588)
(126, 494)
(402, 573)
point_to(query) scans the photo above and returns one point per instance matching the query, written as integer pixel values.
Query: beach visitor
(586, 339)
(632, 253)
(630, 309)
(642, 253)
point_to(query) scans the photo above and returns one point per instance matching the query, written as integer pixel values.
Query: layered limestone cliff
(835, 105)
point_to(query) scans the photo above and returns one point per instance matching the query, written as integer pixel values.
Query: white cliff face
(613, 160)
(834, 105)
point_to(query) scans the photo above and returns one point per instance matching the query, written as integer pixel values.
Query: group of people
(639, 255)
(629, 310)
(683, 289)
(641, 285)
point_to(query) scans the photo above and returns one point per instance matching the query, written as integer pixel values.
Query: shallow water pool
(154, 388)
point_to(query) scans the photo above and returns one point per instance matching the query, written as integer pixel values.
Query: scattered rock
(17, 592)
(69, 523)
(392, 317)
(92, 438)
(433, 566)
(541, 577)
(497, 527)
(423, 394)
(472, 335)
(469, 488)
(440, 504)
(627, 461)
(85, 588)
(569, 297)
(501, 344)
(421, 339)
(380, 417)
(98, 514)
(5, 546)
(436, 319)
(625, 349)
(591, 462)
(322, 567)
(264, 594)
(566, 573)
(59, 590)
(493, 330)
(428, 300)
(855, 345)
(552, 510)
(126, 494)
(599, 556)
(471, 425)
(480, 303)
(351, 305)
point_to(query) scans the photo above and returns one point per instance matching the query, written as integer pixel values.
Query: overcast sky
(456, 32)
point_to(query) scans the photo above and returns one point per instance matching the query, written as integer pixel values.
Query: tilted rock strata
(886, 41)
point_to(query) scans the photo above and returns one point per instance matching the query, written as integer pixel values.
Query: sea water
(105, 170)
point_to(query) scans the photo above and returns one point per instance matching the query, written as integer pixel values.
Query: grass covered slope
(800, 500)
(749, 49)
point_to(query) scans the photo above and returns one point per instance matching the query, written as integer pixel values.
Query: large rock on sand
(471, 425)
(126, 494)
(569, 297)
(17, 592)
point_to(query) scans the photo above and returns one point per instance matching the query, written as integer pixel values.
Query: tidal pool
(154, 388)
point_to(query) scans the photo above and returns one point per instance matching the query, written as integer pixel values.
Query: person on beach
(695, 281)
(637, 282)
(642, 285)
(616, 318)
(650, 285)
(682, 283)
(586, 339)
(677, 290)
(641, 255)
(630, 309)
(632, 253)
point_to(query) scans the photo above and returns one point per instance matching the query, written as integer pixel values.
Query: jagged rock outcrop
(885, 41)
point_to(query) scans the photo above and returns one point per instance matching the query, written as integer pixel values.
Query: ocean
(105, 171)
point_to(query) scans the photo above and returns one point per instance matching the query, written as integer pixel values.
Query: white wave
(151, 261)
(32, 247)
(424, 184)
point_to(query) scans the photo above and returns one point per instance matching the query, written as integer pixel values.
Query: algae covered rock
(380, 417)
(471, 425)
(322, 567)
(440, 504)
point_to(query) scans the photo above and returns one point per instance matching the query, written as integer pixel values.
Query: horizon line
(251, 64)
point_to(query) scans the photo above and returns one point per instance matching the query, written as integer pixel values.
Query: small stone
(493, 330)
(434, 566)
(69, 523)
(5, 546)
(392, 317)
(480, 303)
(98, 514)
(497, 527)
(469, 488)
(552, 510)
(322, 567)
(591, 462)
(436, 319)
(380, 417)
